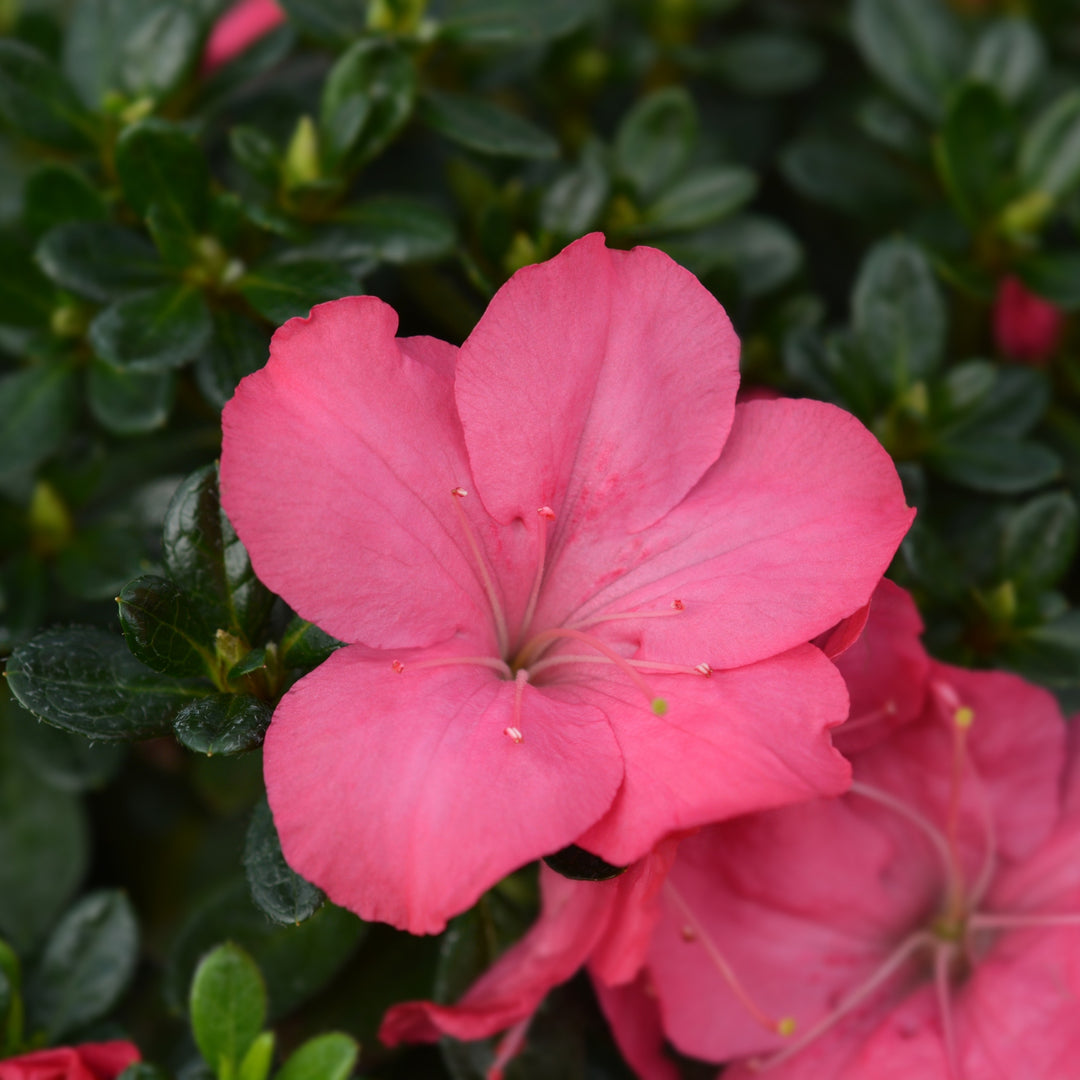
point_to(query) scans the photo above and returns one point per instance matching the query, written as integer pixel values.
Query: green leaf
(701, 198)
(64, 761)
(281, 291)
(392, 229)
(101, 559)
(98, 260)
(38, 408)
(259, 1058)
(975, 152)
(1009, 56)
(161, 48)
(304, 645)
(296, 961)
(222, 724)
(275, 887)
(995, 465)
(257, 153)
(158, 162)
(205, 558)
(1055, 276)
(37, 102)
(142, 1071)
(1039, 541)
(164, 629)
(227, 1007)
(765, 63)
(898, 314)
(892, 125)
(573, 203)
(1015, 403)
(486, 128)
(916, 47)
(58, 193)
(508, 23)
(1050, 151)
(153, 330)
(655, 140)
(237, 348)
(43, 849)
(26, 295)
(326, 1057)
(334, 21)
(87, 964)
(84, 680)
(367, 99)
(129, 402)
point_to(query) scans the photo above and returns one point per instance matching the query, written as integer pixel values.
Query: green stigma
(659, 706)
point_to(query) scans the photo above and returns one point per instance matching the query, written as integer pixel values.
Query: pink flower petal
(747, 739)
(90, 1061)
(242, 25)
(337, 464)
(403, 796)
(1026, 327)
(611, 375)
(785, 536)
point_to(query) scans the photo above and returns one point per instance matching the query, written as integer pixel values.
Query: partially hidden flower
(240, 26)
(577, 583)
(91, 1061)
(1026, 327)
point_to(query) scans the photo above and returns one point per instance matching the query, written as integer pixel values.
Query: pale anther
(514, 734)
(458, 492)
(546, 513)
(678, 605)
(705, 669)
(398, 666)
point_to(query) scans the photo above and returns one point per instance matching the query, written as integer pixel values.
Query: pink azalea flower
(1026, 327)
(242, 25)
(577, 583)
(91, 1061)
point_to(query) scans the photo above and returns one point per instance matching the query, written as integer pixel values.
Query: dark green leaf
(655, 140)
(142, 1071)
(304, 645)
(101, 559)
(160, 48)
(295, 960)
(275, 887)
(763, 63)
(87, 964)
(43, 849)
(975, 151)
(237, 348)
(1009, 56)
(129, 402)
(164, 629)
(153, 330)
(254, 661)
(84, 680)
(1039, 541)
(916, 47)
(1054, 275)
(257, 153)
(367, 99)
(892, 125)
(1050, 152)
(701, 198)
(36, 101)
(64, 761)
(335, 21)
(281, 291)
(222, 724)
(392, 229)
(26, 295)
(205, 558)
(1014, 404)
(489, 129)
(325, 1057)
(508, 23)
(38, 407)
(160, 163)
(227, 1007)
(992, 464)
(58, 193)
(98, 260)
(898, 314)
(573, 203)
(580, 865)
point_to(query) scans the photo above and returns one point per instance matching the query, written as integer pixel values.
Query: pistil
(501, 634)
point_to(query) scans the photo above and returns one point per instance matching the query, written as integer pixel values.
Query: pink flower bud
(1026, 327)
(242, 25)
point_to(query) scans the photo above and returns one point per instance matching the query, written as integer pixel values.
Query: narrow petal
(786, 535)
(337, 465)
(743, 740)
(573, 916)
(635, 1022)
(403, 796)
(611, 375)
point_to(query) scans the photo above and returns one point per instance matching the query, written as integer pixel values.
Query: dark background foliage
(853, 180)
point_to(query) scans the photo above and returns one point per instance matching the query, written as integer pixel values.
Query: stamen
(458, 494)
(892, 964)
(785, 1025)
(943, 957)
(509, 1047)
(666, 613)
(538, 643)
(865, 719)
(640, 665)
(494, 662)
(984, 921)
(962, 718)
(513, 732)
(546, 515)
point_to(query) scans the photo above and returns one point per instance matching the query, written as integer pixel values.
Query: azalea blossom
(91, 1061)
(577, 584)
(1026, 327)
(240, 26)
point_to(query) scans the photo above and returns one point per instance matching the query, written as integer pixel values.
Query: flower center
(532, 653)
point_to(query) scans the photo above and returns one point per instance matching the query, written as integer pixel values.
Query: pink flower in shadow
(1026, 327)
(91, 1061)
(577, 582)
(242, 25)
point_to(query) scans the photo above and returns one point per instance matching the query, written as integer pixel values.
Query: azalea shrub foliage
(537, 539)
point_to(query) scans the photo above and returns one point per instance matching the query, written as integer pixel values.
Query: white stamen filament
(640, 665)
(1017, 921)
(677, 606)
(501, 634)
(546, 515)
(508, 1048)
(501, 666)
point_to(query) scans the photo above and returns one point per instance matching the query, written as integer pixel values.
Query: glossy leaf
(521, 22)
(1039, 540)
(281, 291)
(392, 229)
(700, 198)
(304, 645)
(236, 348)
(479, 125)
(98, 260)
(1050, 152)
(325, 1057)
(129, 402)
(331, 20)
(275, 887)
(1055, 276)
(995, 465)
(64, 761)
(38, 408)
(37, 102)
(222, 724)
(158, 162)
(86, 681)
(768, 63)
(227, 1007)
(59, 193)
(1009, 56)
(573, 203)
(163, 628)
(87, 964)
(654, 142)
